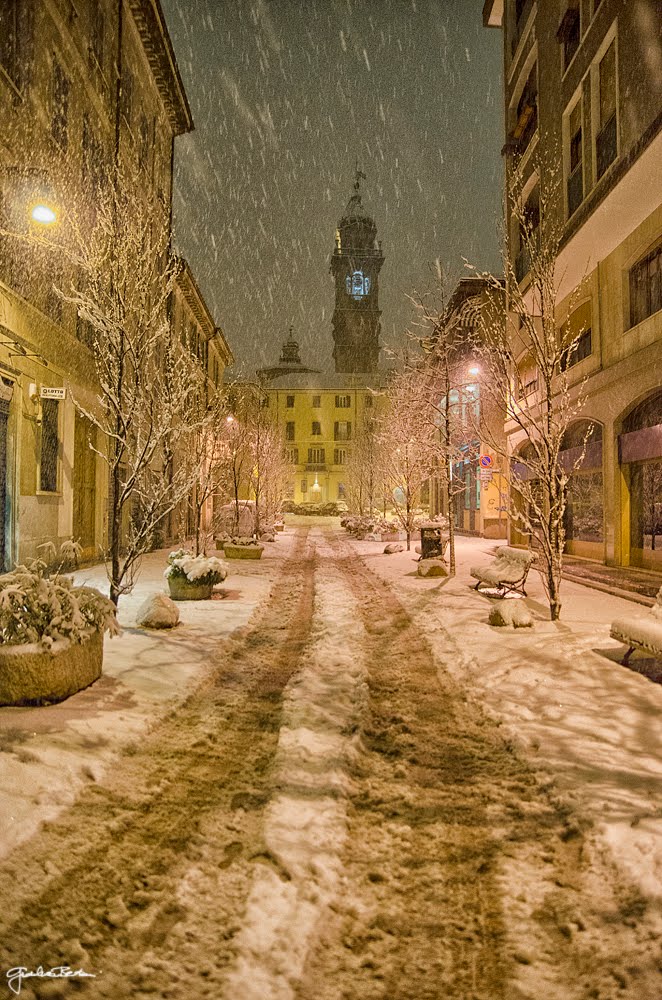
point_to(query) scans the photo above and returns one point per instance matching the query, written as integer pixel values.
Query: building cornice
(155, 39)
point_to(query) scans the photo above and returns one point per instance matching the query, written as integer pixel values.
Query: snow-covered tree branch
(527, 360)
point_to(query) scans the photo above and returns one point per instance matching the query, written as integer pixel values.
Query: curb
(627, 595)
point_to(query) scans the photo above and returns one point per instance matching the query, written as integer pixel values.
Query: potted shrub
(192, 578)
(243, 548)
(51, 636)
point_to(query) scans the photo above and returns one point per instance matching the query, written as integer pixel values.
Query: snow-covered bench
(508, 571)
(641, 631)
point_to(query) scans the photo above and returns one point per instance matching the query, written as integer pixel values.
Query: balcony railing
(575, 189)
(605, 145)
(315, 467)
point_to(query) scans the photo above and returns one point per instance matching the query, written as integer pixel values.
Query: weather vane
(359, 175)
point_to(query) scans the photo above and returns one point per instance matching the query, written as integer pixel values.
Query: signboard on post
(52, 392)
(486, 461)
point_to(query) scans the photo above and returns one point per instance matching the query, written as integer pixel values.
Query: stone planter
(182, 589)
(243, 551)
(32, 676)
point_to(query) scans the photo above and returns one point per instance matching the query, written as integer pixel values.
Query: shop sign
(52, 392)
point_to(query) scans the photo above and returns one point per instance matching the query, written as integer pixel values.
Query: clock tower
(355, 266)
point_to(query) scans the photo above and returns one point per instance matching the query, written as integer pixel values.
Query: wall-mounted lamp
(43, 214)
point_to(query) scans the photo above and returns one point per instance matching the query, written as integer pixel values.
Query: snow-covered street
(362, 790)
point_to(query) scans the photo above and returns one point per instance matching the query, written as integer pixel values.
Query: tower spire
(359, 175)
(355, 265)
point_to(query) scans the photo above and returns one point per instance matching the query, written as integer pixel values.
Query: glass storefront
(640, 447)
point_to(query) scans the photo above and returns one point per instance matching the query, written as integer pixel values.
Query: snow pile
(196, 569)
(306, 822)
(432, 567)
(157, 611)
(513, 613)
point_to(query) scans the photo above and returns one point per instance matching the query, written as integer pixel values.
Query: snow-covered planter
(192, 578)
(51, 636)
(243, 548)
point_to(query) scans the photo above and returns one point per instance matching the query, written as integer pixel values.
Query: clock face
(357, 285)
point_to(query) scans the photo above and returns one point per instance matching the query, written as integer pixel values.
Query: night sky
(286, 95)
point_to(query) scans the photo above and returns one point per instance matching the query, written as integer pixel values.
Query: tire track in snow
(142, 880)
(467, 877)
(306, 820)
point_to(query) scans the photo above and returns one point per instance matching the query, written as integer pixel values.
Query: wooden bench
(507, 572)
(641, 631)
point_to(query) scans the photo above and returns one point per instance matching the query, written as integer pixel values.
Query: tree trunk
(451, 526)
(115, 528)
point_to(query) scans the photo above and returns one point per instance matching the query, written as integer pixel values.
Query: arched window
(640, 448)
(584, 512)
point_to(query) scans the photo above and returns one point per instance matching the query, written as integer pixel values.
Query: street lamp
(475, 370)
(43, 214)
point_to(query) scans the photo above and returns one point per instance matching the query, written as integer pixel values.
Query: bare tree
(207, 459)
(256, 458)
(408, 448)
(438, 390)
(268, 467)
(527, 360)
(363, 470)
(122, 274)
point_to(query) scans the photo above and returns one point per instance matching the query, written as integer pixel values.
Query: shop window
(49, 446)
(640, 450)
(341, 491)
(581, 457)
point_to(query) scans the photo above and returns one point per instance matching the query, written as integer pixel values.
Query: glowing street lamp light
(43, 214)
(475, 370)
